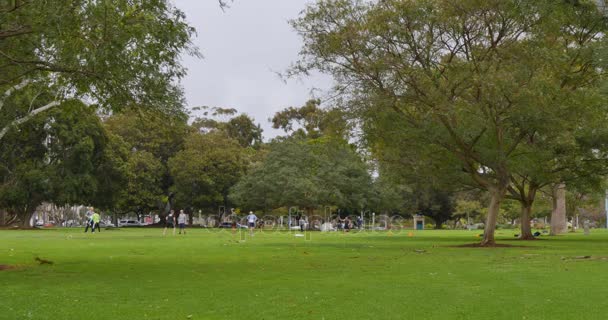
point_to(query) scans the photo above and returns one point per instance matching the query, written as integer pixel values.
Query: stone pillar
(559, 223)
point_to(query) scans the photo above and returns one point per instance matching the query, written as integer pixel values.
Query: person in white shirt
(89, 217)
(181, 220)
(251, 219)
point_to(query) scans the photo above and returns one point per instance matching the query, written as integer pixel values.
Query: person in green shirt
(96, 218)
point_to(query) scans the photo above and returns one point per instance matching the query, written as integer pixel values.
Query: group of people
(346, 224)
(93, 219)
(181, 222)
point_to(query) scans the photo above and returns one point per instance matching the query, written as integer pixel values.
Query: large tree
(151, 138)
(143, 190)
(476, 78)
(205, 170)
(115, 53)
(57, 159)
(308, 173)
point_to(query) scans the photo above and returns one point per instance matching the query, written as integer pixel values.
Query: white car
(129, 223)
(106, 224)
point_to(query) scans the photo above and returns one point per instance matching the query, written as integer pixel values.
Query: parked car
(71, 223)
(129, 223)
(106, 224)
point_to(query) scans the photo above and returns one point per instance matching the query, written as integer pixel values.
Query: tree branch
(26, 118)
(10, 91)
(4, 34)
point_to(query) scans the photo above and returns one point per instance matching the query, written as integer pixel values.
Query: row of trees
(132, 162)
(483, 101)
(138, 161)
(92, 113)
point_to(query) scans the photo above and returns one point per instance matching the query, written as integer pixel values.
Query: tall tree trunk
(26, 216)
(526, 230)
(559, 223)
(496, 196)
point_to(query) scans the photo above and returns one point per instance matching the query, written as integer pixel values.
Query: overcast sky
(243, 47)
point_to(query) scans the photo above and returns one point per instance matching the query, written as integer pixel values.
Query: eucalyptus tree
(313, 121)
(475, 78)
(240, 127)
(114, 53)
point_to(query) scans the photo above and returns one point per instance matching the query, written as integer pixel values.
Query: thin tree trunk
(526, 230)
(559, 223)
(496, 196)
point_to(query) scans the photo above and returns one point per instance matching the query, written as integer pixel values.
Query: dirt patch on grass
(4, 267)
(523, 240)
(21, 228)
(585, 258)
(496, 245)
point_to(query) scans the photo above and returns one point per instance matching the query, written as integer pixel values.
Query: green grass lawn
(138, 274)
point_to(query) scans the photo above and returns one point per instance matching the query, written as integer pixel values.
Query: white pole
(373, 220)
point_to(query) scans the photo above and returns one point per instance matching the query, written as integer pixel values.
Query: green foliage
(467, 208)
(307, 174)
(55, 158)
(112, 173)
(243, 129)
(435, 204)
(112, 51)
(390, 197)
(145, 130)
(312, 121)
(204, 171)
(239, 127)
(151, 139)
(142, 191)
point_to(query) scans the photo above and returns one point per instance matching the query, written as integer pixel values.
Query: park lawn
(208, 274)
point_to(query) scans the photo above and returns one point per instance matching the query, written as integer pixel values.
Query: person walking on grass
(251, 219)
(89, 222)
(170, 222)
(95, 218)
(181, 219)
